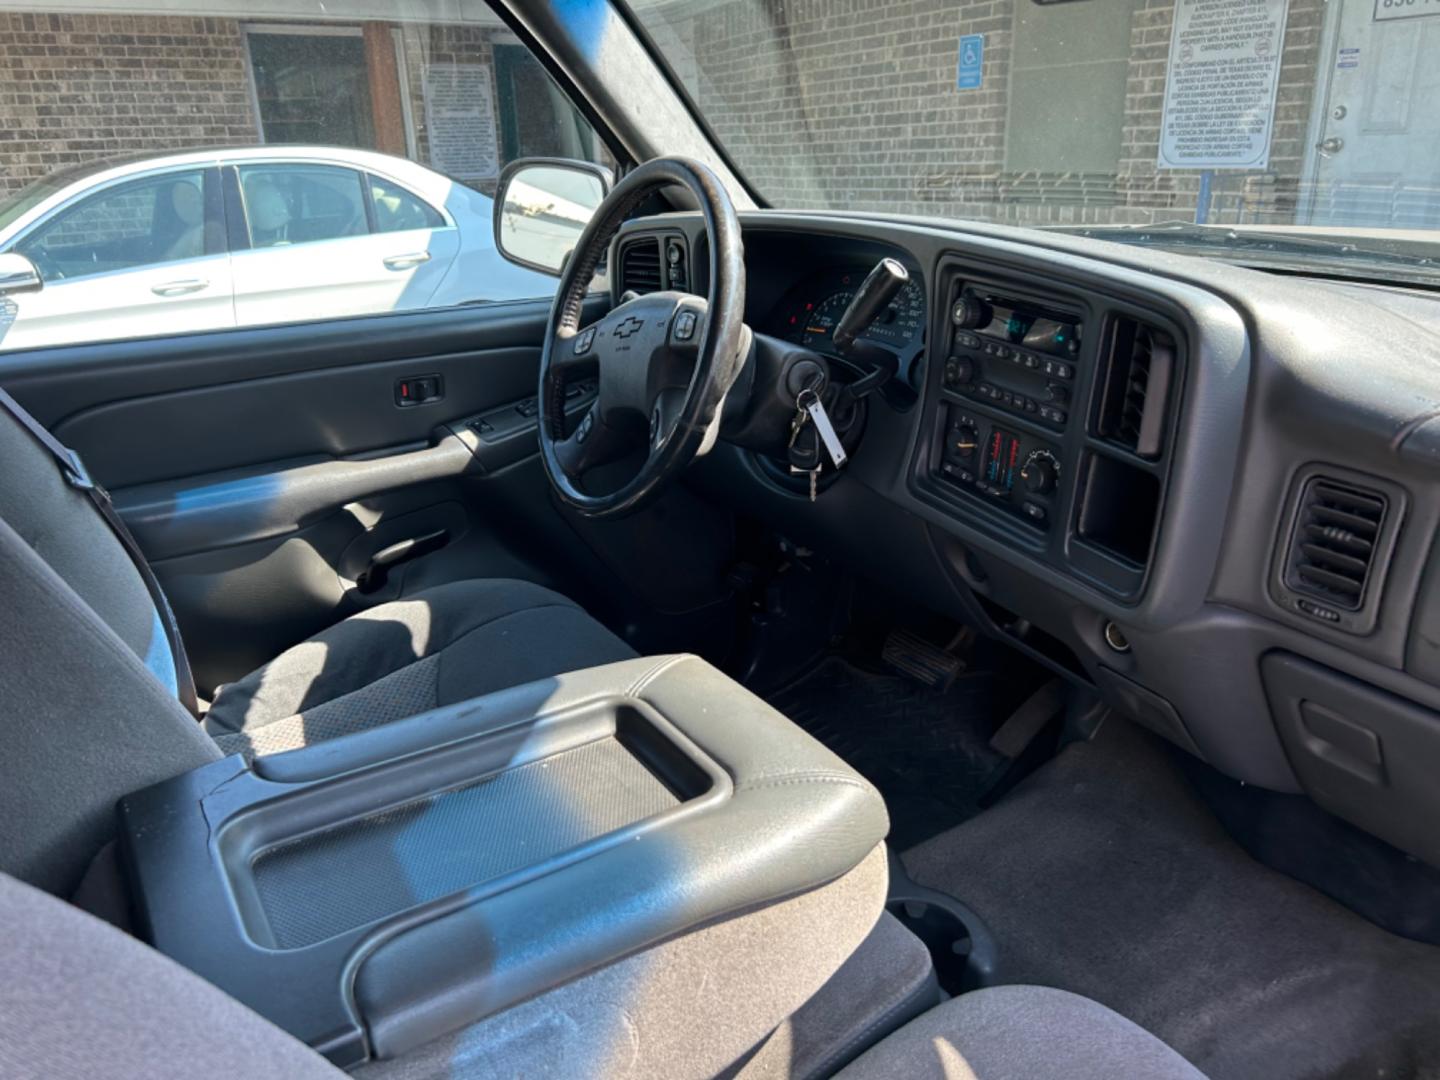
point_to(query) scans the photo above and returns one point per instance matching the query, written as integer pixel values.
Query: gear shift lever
(873, 297)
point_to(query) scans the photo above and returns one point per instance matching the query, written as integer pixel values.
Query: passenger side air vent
(1137, 369)
(1332, 551)
(640, 266)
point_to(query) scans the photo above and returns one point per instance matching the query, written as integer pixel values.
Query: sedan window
(156, 220)
(397, 209)
(299, 204)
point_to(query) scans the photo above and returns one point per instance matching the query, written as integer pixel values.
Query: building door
(1373, 161)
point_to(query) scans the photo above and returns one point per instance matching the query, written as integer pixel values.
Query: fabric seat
(1020, 1033)
(70, 590)
(434, 648)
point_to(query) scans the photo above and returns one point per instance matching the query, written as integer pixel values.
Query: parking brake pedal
(927, 664)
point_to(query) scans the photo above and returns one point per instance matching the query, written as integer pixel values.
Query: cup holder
(960, 946)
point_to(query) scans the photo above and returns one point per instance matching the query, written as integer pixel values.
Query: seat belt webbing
(77, 477)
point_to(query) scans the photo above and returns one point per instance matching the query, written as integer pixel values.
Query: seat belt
(77, 477)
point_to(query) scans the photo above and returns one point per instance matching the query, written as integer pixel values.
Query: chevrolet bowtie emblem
(628, 326)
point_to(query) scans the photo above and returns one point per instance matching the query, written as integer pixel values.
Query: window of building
(312, 85)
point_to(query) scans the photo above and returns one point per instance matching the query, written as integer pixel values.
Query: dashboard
(1205, 495)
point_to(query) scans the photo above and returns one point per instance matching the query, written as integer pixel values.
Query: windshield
(13, 207)
(1238, 125)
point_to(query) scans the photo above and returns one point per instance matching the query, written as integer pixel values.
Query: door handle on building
(180, 288)
(406, 262)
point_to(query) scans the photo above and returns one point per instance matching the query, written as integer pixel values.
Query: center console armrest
(374, 892)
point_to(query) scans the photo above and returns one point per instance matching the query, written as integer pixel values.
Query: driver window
(299, 204)
(157, 220)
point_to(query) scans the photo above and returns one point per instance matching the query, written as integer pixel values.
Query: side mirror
(543, 205)
(18, 274)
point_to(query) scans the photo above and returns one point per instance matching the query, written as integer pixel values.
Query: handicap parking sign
(972, 59)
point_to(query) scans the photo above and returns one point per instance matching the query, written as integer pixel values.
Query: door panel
(262, 470)
(188, 296)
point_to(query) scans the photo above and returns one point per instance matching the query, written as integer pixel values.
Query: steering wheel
(665, 360)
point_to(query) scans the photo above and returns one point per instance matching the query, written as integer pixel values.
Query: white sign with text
(1220, 84)
(460, 121)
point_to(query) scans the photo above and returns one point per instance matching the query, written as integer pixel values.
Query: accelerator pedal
(914, 657)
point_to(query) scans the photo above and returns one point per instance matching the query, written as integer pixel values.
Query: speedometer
(900, 323)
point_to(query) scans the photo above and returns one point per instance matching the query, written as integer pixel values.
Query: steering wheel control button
(583, 431)
(685, 326)
(584, 341)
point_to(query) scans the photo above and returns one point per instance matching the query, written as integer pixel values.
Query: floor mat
(1105, 875)
(926, 750)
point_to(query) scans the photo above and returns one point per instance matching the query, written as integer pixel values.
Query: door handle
(406, 262)
(180, 288)
(374, 576)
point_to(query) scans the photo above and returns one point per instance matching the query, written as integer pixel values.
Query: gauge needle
(816, 330)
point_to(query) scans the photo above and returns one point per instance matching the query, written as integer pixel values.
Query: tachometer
(820, 320)
(902, 322)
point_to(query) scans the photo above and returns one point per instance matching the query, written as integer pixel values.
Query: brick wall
(860, 110)
(74, 88)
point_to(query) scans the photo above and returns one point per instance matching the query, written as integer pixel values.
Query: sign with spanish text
(460, 125)
(1220, 84)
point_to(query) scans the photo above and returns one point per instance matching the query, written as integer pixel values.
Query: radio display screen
(1031, 331)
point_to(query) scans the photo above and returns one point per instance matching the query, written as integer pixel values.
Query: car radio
(1013, 356)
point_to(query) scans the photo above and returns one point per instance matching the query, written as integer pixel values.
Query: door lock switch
(418, 390)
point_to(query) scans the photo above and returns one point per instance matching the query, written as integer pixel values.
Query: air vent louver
(1333, 548)
(640, 266)
(1138, 370)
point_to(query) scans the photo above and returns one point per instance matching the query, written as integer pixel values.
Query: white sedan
(271, 234)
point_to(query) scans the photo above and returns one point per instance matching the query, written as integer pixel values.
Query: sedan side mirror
(18, 274)
(543, 205)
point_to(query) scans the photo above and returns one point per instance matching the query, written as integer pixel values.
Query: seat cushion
(1021, 1033)
(440, 646)
(81, 999)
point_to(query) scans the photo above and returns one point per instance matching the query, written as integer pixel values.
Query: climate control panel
(1010, 468)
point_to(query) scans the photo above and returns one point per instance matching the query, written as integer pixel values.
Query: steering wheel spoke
(591, 444)
(665, 412)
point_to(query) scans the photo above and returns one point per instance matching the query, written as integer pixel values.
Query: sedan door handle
(407, 262)
(180, 288)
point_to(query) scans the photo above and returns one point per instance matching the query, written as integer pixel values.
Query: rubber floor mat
(926, 750)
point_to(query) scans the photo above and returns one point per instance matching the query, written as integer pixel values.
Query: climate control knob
(1040, 472)
(963, 442)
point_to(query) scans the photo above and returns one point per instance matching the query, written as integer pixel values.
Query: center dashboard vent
(640, 266)
(1138, 367)
(1332, 550)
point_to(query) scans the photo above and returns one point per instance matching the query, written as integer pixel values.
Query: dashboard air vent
(1138, 369)
(1332, 551)
(640, 266)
